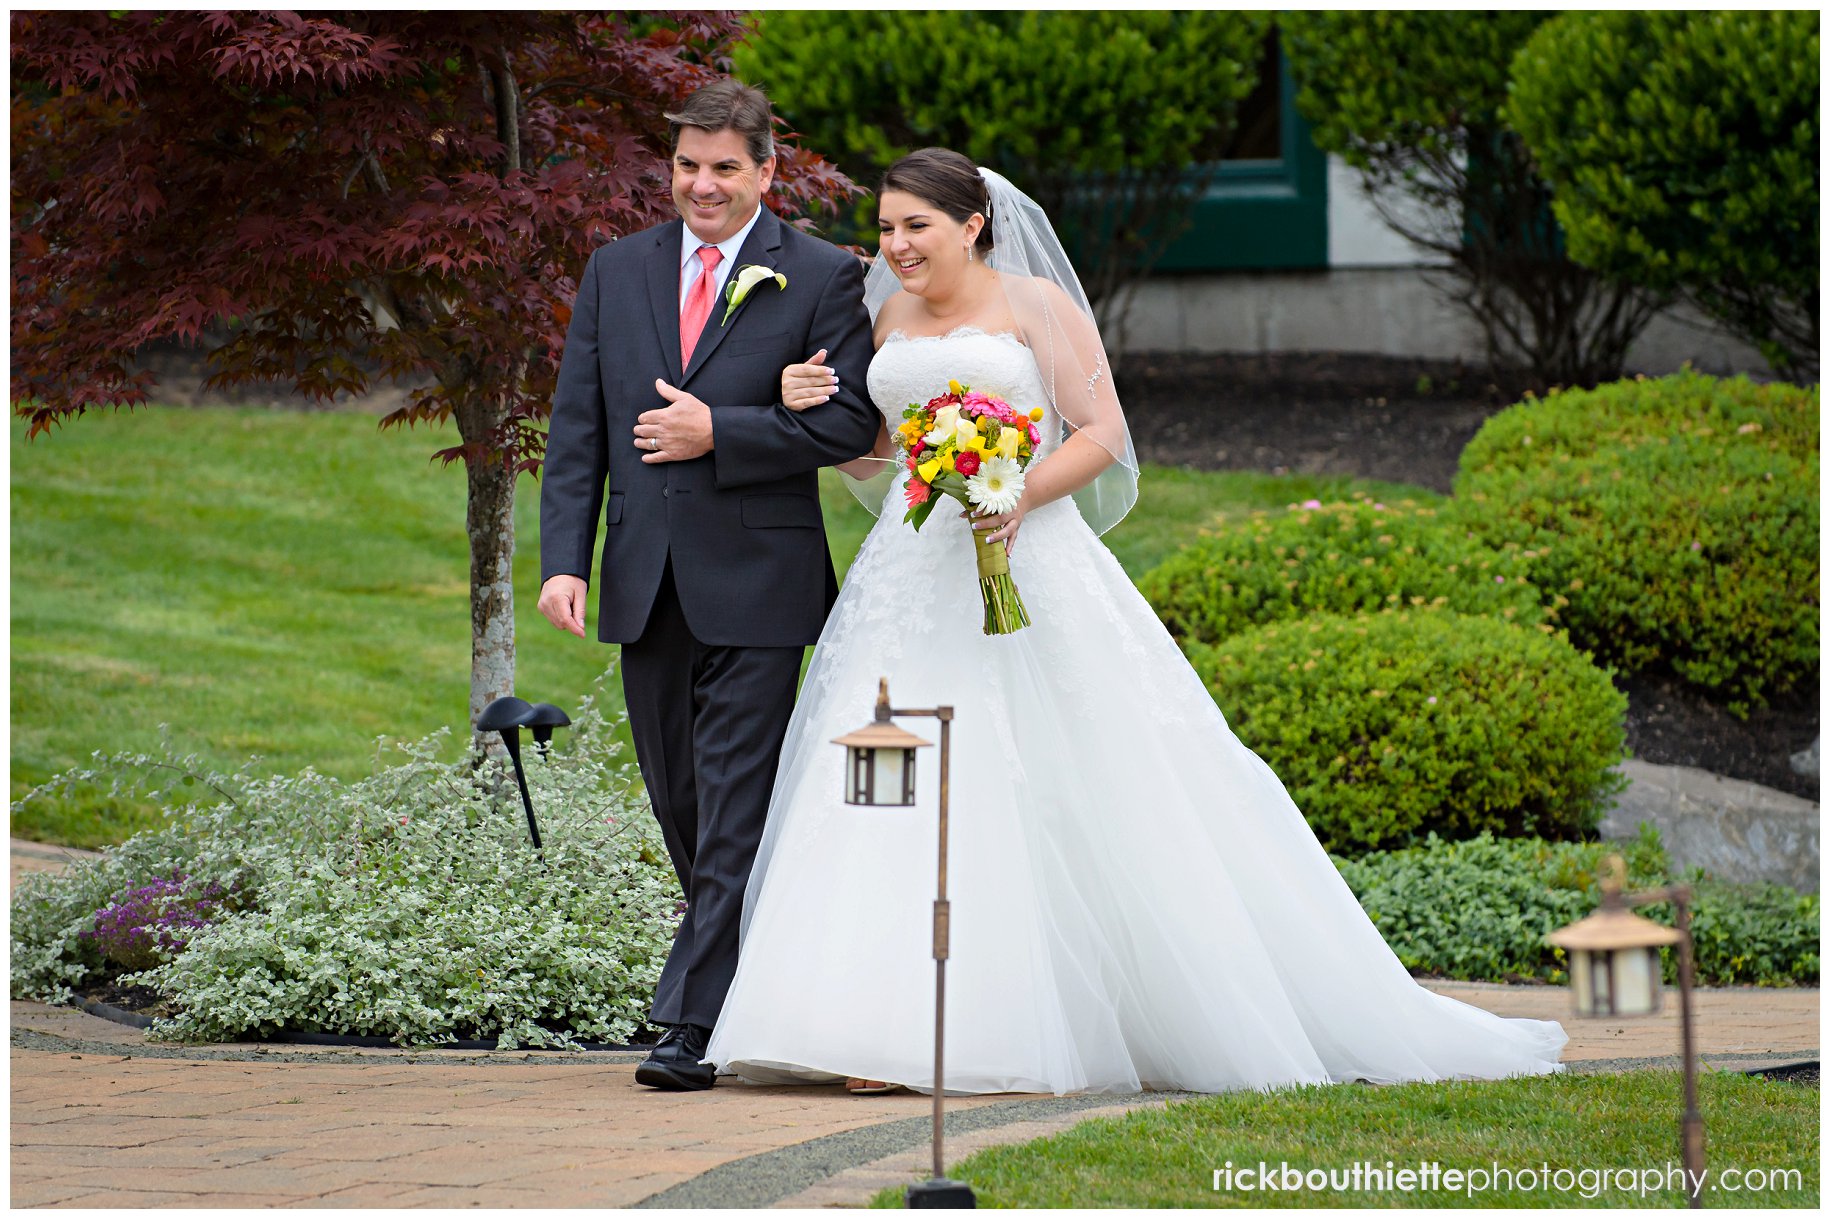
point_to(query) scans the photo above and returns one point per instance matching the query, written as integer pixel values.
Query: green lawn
(1168, 1157)
(294, 586)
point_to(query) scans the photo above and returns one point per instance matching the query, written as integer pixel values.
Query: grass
(1168, 1157)
(294, 586)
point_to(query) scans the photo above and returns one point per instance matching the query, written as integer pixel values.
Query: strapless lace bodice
(909, 370)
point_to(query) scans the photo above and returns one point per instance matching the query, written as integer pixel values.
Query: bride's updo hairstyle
(949, 181)
(1053, 319)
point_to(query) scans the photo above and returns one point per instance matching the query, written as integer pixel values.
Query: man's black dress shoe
(674, 1065)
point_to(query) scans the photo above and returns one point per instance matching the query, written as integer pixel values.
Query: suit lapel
(761, 246)
(664, 296)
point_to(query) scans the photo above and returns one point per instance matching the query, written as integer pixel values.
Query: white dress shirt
(691, 265)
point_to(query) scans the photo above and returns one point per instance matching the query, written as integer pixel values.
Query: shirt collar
(689, 243)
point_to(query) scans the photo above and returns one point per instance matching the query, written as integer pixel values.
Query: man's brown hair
(728, 105)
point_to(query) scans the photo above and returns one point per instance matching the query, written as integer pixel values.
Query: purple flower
(1696, 545)
(1499, 579)
(1312, 503)
(1431, 700)
(149, 925)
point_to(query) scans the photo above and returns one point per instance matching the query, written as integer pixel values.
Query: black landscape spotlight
(543, 718)
(507, 716)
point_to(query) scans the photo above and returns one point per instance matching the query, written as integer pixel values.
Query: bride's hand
(1000, 526)
(809, 384)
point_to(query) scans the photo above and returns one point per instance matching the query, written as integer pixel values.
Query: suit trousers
(708, 724)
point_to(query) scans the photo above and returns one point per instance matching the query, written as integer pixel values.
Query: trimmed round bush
(1350, 557)
(1678, 516)
(1387, 727)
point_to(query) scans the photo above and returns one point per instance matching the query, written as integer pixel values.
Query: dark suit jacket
(743, 522)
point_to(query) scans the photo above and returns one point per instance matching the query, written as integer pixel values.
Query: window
(1266, 206)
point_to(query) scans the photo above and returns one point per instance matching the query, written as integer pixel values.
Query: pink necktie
(698, 305)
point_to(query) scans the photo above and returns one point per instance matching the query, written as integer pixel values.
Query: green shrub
(1387, 727)
(1758, 935)
(1413, 100)
(1682, 147)
(1678, 516)
(408, 905)
(1112, 120)
(1342, 558)
(1479, 910)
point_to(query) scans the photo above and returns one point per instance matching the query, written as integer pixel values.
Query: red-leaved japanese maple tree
(346, 196)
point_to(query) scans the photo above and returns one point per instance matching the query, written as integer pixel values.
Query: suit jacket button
(663, 492)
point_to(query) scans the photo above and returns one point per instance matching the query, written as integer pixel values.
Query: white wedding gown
(1135, 899)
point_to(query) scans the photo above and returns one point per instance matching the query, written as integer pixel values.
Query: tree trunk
(489, 513)
(489, 518)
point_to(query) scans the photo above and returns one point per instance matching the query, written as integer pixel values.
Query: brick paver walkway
(101, 1117)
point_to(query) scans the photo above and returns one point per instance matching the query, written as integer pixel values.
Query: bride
(1135, 900)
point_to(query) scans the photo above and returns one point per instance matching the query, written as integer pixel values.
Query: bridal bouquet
(972, 447)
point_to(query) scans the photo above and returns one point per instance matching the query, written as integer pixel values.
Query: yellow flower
(928, 469)
(977, 445)
(954, 387)
(1035, 412)
(1007, 442)
(946, 460)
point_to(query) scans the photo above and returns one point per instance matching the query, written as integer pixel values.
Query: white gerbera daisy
(997, 486)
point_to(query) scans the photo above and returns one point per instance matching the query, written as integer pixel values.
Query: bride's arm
(866, 467)
(1078, 461)
(1097, 419)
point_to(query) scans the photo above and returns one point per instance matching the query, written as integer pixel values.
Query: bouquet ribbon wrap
(1004, 611)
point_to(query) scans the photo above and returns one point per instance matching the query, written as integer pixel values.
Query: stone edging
(30, 1039)
(108, 1011)
(768, 1177)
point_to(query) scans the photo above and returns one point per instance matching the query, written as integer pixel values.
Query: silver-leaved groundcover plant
(409, 904)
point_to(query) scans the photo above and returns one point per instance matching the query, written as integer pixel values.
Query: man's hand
(562, 601)
(679, 431)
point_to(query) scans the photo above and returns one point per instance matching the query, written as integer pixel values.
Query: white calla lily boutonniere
(744, 282)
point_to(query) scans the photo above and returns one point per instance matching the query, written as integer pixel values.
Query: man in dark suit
(715, 570)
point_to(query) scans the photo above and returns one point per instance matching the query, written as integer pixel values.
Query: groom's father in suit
(667, 427)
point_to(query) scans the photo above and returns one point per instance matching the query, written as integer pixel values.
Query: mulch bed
(1386, 417)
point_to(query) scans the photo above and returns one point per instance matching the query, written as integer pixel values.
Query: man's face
(717, 187)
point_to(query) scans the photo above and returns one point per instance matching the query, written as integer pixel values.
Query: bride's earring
(969, 257)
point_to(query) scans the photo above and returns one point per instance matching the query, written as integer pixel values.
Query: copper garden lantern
(880, 773)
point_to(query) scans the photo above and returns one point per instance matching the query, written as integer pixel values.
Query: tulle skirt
(1135, 900)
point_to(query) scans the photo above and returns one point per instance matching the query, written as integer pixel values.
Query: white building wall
(1376, 297)
(1379, 310)
(1358, 235)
